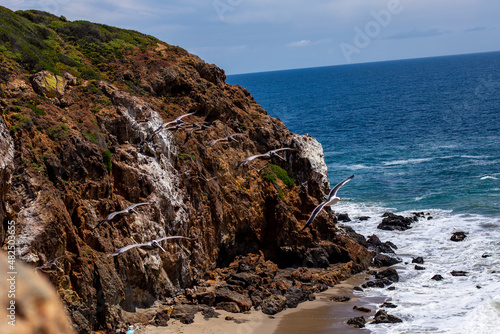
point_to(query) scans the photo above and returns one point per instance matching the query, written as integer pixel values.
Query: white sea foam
(349, 167)
(407, 161)
(489, 177)
(469, 304)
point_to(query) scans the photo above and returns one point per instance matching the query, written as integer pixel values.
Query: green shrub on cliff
(106, 158)
(281, 174)
(37, 41)
(269, 176)
(58, 132)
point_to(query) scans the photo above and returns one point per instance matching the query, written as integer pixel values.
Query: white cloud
(417, 33)
(299, 44)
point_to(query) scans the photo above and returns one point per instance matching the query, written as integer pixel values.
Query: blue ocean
(420, 135)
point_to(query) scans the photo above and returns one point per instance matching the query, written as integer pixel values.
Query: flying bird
(127, 211)
(203, 177)
(196, 128)
(332, 199)
(52, 266)
(226, 139)
(267, 155)
(146, 246)
(178, 121)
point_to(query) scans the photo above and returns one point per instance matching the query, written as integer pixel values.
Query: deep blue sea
(420, 135)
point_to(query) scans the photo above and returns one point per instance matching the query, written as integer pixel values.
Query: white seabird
(332, 199)
(176, 121)
(267, 155)
(227, 139)
(51, 266)
(127, 211)
(146, 246)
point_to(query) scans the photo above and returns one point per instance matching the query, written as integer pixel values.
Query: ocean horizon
(360, 63)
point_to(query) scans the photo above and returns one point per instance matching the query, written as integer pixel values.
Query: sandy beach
(319, 316)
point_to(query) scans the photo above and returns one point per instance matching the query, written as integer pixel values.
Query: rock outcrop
(48, 84)
(458, 236)
(393, 222)
(6, 169)
(89, 148)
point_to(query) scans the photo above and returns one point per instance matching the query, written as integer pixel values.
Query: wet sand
(316, 317)
(326, 316)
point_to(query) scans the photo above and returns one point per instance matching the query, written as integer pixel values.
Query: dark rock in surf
(383, 317)
(392, 222)
(388, 305)
(391, 274)
(437, 277)
(378, 246)
(418, 260)
(379, 283)
(458, 236)
(382, 260)
(459, 273)
(343, 217)
(357, 322)
(361, 309)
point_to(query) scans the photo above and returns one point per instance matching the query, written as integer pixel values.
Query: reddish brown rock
(302, 274)
(225, 295)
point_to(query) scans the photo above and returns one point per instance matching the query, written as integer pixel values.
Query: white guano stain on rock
(312, 150)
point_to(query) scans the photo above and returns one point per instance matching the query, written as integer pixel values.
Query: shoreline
(324, 315)
(318, 316)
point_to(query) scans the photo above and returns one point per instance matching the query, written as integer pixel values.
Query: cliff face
(73, 142)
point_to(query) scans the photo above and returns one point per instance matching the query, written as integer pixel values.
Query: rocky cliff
(79, 106)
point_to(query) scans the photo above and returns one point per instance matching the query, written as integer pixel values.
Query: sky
(243, 36)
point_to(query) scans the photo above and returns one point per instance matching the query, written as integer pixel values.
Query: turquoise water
(419, 134)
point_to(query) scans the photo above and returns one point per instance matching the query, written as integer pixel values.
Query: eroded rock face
(76, 162)
(6, 169)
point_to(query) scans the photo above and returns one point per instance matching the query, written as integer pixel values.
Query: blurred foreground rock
(37, 308)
